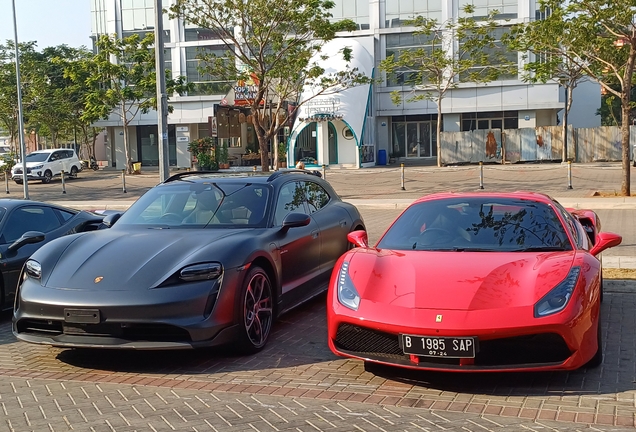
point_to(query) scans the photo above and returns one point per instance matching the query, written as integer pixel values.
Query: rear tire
(597, 360)
(74, 172)
(48, 175)
(257, 311)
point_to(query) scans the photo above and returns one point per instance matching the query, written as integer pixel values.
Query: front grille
(364, 341)
(130, 332)
(545, 348)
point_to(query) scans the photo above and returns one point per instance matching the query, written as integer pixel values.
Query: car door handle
(343, 223)
(314, 234)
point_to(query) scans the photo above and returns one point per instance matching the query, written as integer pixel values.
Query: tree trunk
(566, 111)
(129, 169)
(438, 132)
(275, 150)
(262, 144)
(625, 111)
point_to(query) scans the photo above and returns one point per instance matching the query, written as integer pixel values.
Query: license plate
(81, 316)
(429, 346)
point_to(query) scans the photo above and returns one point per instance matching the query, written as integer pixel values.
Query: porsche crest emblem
(438, 318)
(98, 279)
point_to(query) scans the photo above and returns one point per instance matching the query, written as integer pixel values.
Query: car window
(66, 215)
(29, 218)
(291, 199)
(317, 196)
(480, 223)
(37, 157)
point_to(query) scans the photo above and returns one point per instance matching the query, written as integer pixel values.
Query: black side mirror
(109, 220)
(293, 220)
(28, 237)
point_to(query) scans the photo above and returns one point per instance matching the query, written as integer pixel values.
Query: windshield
(477, 224)
(200, 205)
(37, 157)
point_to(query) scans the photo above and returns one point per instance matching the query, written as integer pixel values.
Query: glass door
(412, 140)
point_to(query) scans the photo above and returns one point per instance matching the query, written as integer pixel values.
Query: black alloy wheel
(48, 175)
(256, 310)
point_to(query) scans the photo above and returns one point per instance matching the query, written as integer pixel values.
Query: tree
(275, 43)
(603, 43)
(546, 42)
(123, 87)
(440, 64)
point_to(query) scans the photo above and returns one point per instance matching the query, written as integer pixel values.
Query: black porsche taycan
(199, 260)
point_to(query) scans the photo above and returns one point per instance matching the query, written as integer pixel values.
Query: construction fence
(543, 143)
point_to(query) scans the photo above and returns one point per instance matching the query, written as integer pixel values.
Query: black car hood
(140, 259)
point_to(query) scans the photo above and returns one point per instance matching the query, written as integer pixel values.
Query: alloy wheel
(258, 309)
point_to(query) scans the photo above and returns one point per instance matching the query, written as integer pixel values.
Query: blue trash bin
(381, 157)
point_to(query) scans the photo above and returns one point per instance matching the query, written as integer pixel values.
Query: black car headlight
(557, 299)
(347, 294)
(203, 271)
(33, 269)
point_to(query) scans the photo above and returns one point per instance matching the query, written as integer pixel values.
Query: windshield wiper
(540, 249)
(472, 249)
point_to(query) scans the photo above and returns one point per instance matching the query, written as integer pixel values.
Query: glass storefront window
(396, 43)
(399, 12)
(204, 83)
(355, 10)
(413, 138)
(499, 56)
(506, 9)
(490, 120)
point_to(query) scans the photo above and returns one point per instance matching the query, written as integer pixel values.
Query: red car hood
(456, 280)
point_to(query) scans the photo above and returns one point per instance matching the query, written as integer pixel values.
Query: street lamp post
(25, 181)
(162, 97)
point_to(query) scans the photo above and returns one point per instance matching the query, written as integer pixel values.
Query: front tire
(257, 311)
(74, 172)
(48, 175)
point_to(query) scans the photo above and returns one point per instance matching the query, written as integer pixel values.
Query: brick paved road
(298, 364)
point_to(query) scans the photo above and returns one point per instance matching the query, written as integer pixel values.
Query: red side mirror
(605, 240)
(358, 238)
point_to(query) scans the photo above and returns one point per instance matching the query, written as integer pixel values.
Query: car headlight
(204, 271)
(33, 269)
(557, 299)
(37, 167)
(347, 294)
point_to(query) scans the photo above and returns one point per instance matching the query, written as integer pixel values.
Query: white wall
(586, 99)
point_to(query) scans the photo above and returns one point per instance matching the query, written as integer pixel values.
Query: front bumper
(184, 316)
(31, 175)
(508, 339)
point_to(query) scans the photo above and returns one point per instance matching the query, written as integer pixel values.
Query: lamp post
(25, 180)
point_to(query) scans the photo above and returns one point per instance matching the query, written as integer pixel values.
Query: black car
(27, 225)
(199, 260)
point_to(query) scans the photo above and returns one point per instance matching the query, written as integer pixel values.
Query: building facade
(358, 127)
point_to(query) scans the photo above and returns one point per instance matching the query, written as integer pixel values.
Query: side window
(317, 196)
(66, 215)
(30, 218)
(291, 199)
(571, 225)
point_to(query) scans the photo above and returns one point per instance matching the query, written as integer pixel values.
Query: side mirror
(293, 220)
(28, 237)
(110, 219)
(605, 240)
(359, 238)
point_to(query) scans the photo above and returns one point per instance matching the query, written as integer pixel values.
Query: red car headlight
(347, 294)
(557, 299)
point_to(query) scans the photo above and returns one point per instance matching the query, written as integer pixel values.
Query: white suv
(46, 164)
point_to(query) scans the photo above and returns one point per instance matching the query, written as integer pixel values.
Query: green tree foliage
(546, 43)
(274, 41)
(124, 87)
(601, 39)
(435, 68)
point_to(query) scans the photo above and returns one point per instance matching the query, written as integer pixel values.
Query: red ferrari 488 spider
(474, 282)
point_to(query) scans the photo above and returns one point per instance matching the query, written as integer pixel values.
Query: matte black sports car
(27, 225)
(199, 260)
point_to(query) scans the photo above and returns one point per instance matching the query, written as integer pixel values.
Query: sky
(49, 22)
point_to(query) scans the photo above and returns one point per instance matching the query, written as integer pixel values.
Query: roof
(254, 177)
(527, 195)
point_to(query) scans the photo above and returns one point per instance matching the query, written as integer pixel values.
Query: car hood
(135, 260)
(456, 280)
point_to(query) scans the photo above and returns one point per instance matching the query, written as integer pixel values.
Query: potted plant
(282, 155)
(223, 157)
(202, 150)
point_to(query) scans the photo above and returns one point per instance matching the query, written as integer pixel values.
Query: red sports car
(474, 282)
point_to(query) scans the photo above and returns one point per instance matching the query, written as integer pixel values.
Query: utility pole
(25, 180)
(162, 97)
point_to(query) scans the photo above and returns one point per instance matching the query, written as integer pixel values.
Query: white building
(353, 128)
